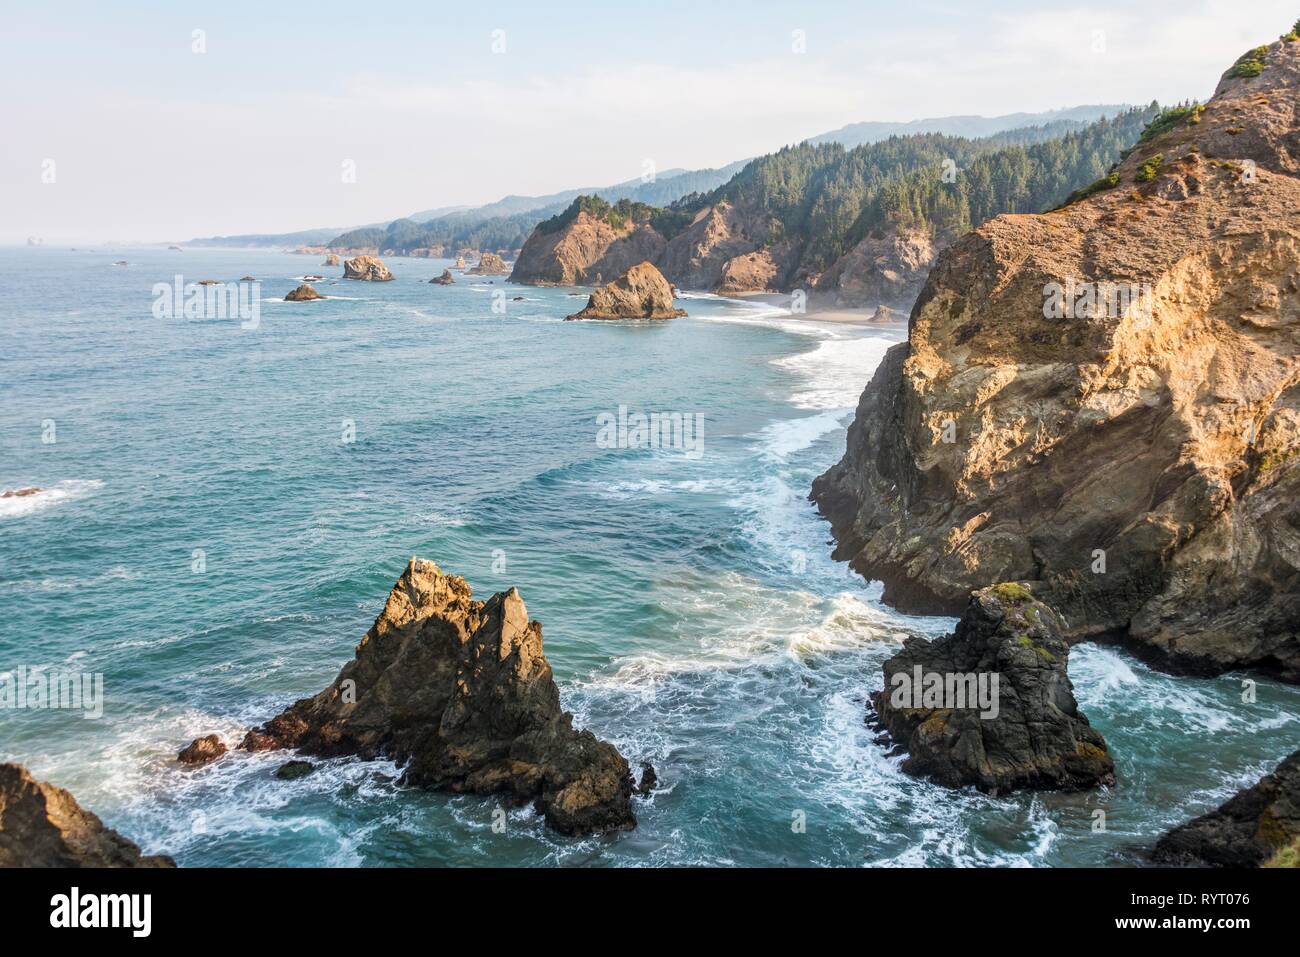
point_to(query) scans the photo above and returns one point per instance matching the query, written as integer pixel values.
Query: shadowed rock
(1259, 826)
(43, 826)
(304, 293)
(444, 280)
(640, 293)
(1027, 733)
(460, 692)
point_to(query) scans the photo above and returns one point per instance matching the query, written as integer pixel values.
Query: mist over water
(691, 611)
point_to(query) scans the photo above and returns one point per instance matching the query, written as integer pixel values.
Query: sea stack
(304, 293)
(43, 826)
(460, 692)
(331, 260)
(444, 280)
(640, 293)
(367, 268)
(991, 704)
(490, 264)
(1102, 400)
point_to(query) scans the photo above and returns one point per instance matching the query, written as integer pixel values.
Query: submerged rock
(489, 264)
(460, 692)
(1104, 400)
(304, 293)
(366, 268)
(640, 293)
(1013, 722)
(293, 770)
(1259, 826)
(21, 492)
(202, 751)
(43, 826)
(444, 280)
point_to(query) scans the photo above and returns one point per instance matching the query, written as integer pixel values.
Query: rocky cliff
(1258, 826)
(887, 269)
(1002, 716)
(640, 293)
(1104, 400)
(44, 826)
(460, 692)
(585, 252)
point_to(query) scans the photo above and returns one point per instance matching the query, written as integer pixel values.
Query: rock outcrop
(460, 692)
(991, 704)
(304, 293)
(585, 250)
(640, 293)
(1260, 826)
(697, 257)
(489, 264)
(368, 268)
(44, 826)
(202, 751)
(21, 492)
(886, 270)
(331, 260)
(444, 280)
(1105, 400)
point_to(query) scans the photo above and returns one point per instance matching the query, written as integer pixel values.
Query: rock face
(1259, 826)
(884, 270)
(489, 264)
(367, 268)
(1139, 460)
(699, 257)
(44, 826)
(444, 280)
(331, 260)
(304, 293)
(640, 293)
(460, 692)
(1015, 724)
(585, 251)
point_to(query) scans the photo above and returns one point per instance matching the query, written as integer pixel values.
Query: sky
(164, 121)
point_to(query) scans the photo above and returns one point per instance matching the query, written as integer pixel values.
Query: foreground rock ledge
(1037, 739)
(460, 692)
(640, 293)
(44, 826)
(1260, 826)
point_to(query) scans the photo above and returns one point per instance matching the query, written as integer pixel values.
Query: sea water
(228, 507)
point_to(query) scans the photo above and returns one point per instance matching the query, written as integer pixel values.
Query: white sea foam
(64, 491)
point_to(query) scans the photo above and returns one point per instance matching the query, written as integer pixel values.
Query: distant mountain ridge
(505, 224)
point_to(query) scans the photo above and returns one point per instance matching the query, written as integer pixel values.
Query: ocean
(228, 507)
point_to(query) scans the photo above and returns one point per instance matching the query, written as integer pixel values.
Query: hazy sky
(152, 140)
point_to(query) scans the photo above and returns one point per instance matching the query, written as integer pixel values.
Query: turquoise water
(691, 612)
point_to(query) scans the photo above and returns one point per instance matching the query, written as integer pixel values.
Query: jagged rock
(889, 269)
(1259, 826)
(202, 751)
(489, 264)
(43, 826)
(640, 293)
(367, 268)
(304, 293)
(460, 692)
(583, 249)
(21, 492)
(1021, 729)
(460, 262)
(331, 260)
(649, 779)
(444, 280)
(293, 770)
(1138, 460)
(885, 314)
